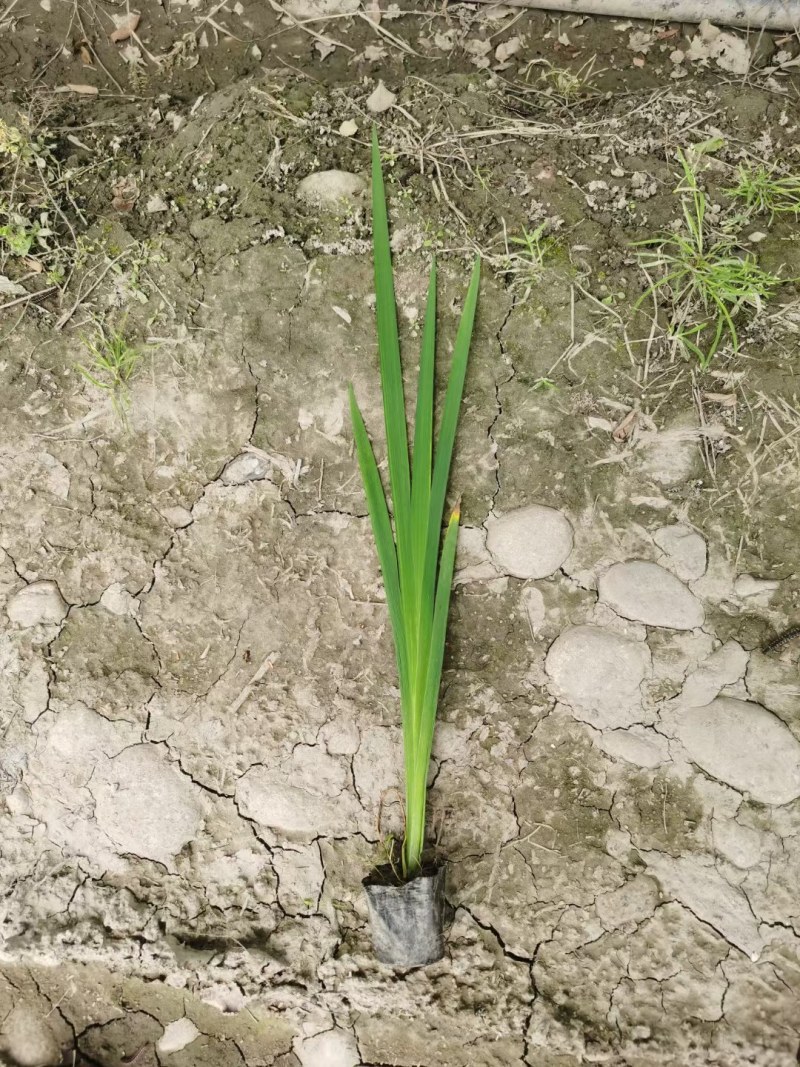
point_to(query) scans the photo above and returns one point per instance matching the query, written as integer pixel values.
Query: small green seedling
(525, 256)
(114, 361)
(710, 280)
(20, 235)
(544, 385)
(535, 246)
(764, 190)
(417, 577)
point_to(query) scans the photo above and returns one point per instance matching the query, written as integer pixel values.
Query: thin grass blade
(393, 398)
(384, 541)
(89, 377)
(441, 473)
(389, 342)
(447, 431)
(422, 456)
(441, 610)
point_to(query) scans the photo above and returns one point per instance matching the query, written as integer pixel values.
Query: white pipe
(753, 14)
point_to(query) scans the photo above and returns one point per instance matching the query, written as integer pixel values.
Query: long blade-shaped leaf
(423, 428)
(384, 542)
(441, 471)
(394, 411)
(447, 436)
(417, 785)
(389, 341)
(441, 610)
(421, 496)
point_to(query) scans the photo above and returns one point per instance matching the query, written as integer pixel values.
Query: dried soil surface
(198, 699)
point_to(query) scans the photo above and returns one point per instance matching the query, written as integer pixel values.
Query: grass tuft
(113, 363)
(709, 279)
(417, 567)
(569, 85)
(764, 190)
(525, 256)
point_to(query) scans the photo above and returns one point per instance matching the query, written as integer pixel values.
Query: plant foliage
(709, 278)
(417, 576)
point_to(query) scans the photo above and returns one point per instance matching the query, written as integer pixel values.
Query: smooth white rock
(39, 603)
(178, 517)
(740, 845)
(158, 828)
(531, 542)
(177, 1036)
(247, 467)
(331, 187)
(598, 674)
(332, 1048)
(724, 667)
(636, 745)
(685, 550)
(648, 593)
(118, 601)
(534, 607)
(670, 455)
(745, 746)
(56, 478)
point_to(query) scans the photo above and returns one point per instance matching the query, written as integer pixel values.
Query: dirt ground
(198, 701)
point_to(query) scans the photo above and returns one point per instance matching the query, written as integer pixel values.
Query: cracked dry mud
(201, 747)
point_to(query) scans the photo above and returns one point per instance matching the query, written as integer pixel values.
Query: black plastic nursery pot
(407, 918)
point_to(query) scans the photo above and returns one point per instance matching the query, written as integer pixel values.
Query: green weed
(113, 363)
(525, 256)
(709, 279)
(535, 246)
(764, 190)
(20, 235)
(544, 385)
(32, 222)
